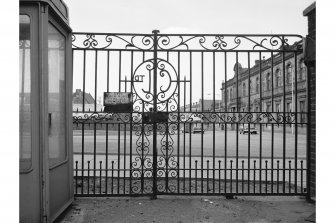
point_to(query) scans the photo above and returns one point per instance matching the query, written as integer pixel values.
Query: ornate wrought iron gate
(221, 86)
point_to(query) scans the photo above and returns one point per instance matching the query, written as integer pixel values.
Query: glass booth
(45, 117)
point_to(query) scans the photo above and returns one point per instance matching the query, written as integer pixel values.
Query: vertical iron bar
(296, 123)
(124, 145)
(167, 145)
(266, 176)
(154, 187)
(88, 177)
(277, 176)
(118, 158)
(120, 70)
(184, 146)
(272, 125)
(196, 176)
(108, 71)
(231, 176)
(214, 122)
(254, 176)
(118, 131)
(219, 176)
(142, 150)
(142, 134)
(100, 162)
(167, 152)
(82, 157)
(302, 176)
(237, 123)
(94, 155)
(178, 129)
(95, 124)
(225, 124)
(77, 178)
(289, 176)
(249, 110)
(106, 161)
(112, 186)
(202, 125)
(83, 125)
(95, 81)
(260, 124)
(131, 123)
(284, 120)
(106, 165)
(190, 135)
(207, 176)
(242, 176)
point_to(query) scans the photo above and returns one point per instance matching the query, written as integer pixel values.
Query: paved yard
(179, 209)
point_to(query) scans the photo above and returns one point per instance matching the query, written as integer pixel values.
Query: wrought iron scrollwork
(112, 41)
(233, 118)
(224, 42)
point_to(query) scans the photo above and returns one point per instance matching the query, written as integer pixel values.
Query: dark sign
(159, 117)
(118, 102)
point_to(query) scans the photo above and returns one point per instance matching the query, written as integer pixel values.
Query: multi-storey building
(266, 85)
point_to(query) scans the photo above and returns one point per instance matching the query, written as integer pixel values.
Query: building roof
(77, 97)
(265, 64)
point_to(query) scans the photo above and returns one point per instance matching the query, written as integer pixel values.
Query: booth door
(30, 174)
(59, 135)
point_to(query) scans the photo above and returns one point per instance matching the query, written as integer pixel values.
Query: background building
(267, 86)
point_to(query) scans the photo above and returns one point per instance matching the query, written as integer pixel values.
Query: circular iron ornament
(143, 81)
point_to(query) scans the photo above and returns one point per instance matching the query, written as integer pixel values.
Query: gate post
(309, 59)
(154, 147)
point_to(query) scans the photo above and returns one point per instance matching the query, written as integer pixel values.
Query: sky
(178, 16)
(186, 16)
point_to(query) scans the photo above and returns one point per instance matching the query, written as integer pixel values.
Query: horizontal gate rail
(210, 114)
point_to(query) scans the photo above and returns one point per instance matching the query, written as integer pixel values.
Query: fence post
(309, 59)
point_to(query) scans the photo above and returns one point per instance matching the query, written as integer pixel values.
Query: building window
(302, 75)
(227, 95)
(289, 74)
(250, 87)
(244, 89)
(268, 107)
(288, 107)
(302, 109)
(268, 81)
(278, 78)
(257, 85)
(277, 107)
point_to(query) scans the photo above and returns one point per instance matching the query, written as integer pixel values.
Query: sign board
(159, 117)
(118, 102)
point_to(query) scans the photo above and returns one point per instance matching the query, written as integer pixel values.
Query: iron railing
(147, 153)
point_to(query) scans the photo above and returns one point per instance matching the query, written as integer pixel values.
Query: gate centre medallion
(143, 81)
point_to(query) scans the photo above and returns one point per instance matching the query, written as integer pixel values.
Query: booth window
(56, 107)
(25, 94)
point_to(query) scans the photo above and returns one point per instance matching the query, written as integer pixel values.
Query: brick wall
(310, 59)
